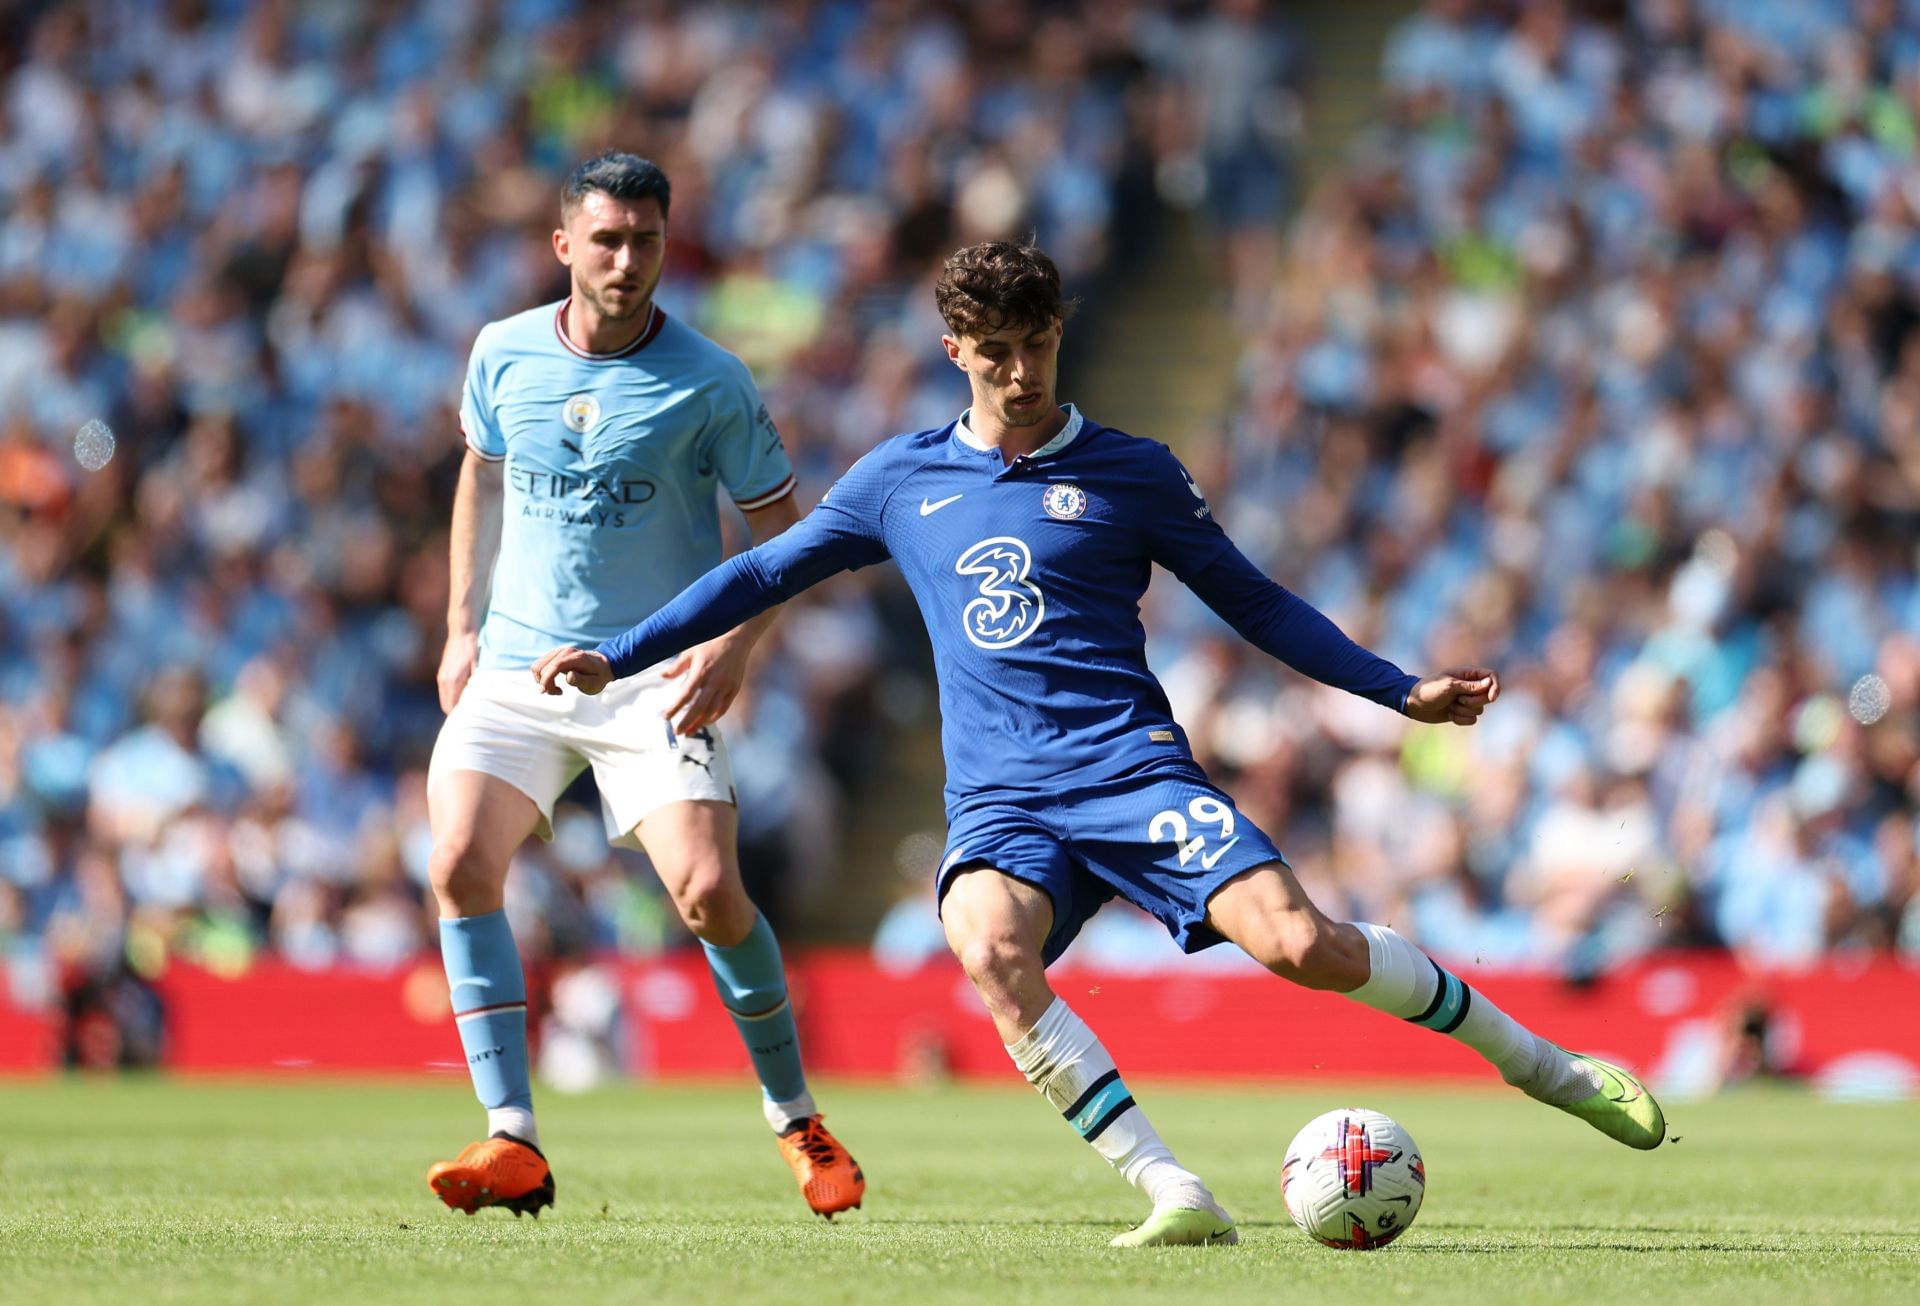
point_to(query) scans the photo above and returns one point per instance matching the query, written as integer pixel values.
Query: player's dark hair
(997, 284)
(621, 175)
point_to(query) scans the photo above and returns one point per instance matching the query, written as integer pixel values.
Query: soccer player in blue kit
(598, 433)
(1027, 533)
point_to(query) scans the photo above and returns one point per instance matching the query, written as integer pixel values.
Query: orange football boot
(829, 1179)
(502, 1171)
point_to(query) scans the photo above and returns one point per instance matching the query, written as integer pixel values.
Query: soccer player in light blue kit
(598, 433)
(1027, 533)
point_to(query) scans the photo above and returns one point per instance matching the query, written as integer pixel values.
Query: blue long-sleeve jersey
(1029, 577)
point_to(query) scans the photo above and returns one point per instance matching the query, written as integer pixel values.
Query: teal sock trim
(1452, 999)
(1104, 1102)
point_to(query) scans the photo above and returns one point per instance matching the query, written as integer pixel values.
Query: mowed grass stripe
(157, 1191)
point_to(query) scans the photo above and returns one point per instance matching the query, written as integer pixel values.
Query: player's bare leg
(1269, 915)
(478, 821)
(997, 926)
(692, 847)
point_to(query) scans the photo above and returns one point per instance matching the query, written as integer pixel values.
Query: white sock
(515, 1120)
(783, 1115)
(1407, 983)
(1061, 1057)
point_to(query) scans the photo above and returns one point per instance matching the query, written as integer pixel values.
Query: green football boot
(1182, 1228)
(1623, 1110)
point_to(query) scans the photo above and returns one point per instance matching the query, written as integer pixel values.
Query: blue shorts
(1164, 841)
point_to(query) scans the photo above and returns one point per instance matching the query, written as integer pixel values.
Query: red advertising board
(860, 1020)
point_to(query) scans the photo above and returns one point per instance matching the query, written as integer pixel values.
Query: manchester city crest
(1065, 500)
(580, 413)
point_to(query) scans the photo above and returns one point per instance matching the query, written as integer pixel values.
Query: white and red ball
(1353, 1179)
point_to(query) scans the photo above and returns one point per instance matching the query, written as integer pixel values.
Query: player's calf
(997, 926)
(1269, 915)
(1405, 982)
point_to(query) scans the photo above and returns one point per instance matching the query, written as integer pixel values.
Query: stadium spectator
(1596, 361)
(257, 241)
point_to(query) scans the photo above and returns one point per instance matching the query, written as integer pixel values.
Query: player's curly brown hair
(996, 284)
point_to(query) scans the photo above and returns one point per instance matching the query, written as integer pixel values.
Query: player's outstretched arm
(1191, 544)
(710, 675)
(738, 590)
(1285, 626)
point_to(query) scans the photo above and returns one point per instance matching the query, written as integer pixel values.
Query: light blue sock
(489, 993)
(753, 986)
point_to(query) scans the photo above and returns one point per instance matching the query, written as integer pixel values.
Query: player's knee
(994, 960)
(465, 881)
(713, 904)
(1309, 950)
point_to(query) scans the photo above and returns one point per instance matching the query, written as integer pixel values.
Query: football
(1353, 1179)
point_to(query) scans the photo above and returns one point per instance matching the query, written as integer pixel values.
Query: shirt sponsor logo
(1065, 501)
(580, 413)
(579, 500)
(1009, 607)
(538, 484)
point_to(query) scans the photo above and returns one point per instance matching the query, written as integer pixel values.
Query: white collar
(1066, 437)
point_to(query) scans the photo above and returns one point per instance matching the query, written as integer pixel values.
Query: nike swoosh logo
(1618, 1087)
(928, 509)
(1208, 859)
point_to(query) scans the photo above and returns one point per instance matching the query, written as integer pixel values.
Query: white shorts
(503, 726)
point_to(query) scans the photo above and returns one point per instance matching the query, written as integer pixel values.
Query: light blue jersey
(611, 465)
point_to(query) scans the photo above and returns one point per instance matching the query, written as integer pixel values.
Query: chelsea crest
(1065, 501)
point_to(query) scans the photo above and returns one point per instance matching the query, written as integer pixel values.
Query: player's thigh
(986, 906)
(1167, 843)
(505, 730)
(478, 818)
(1269, 915)
(1014, 883)
(694, 850)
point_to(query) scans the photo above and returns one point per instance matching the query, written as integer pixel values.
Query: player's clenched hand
(456, 668)
(1459, 695)
(584, 669)
(713, 673)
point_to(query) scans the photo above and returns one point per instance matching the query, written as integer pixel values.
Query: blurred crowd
(1597, 361)
(244, 248)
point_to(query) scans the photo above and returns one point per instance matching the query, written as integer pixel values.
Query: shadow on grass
(1503, 1249)
(918, 1222)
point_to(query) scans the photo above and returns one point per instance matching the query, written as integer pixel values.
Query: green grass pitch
(148, 1192)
